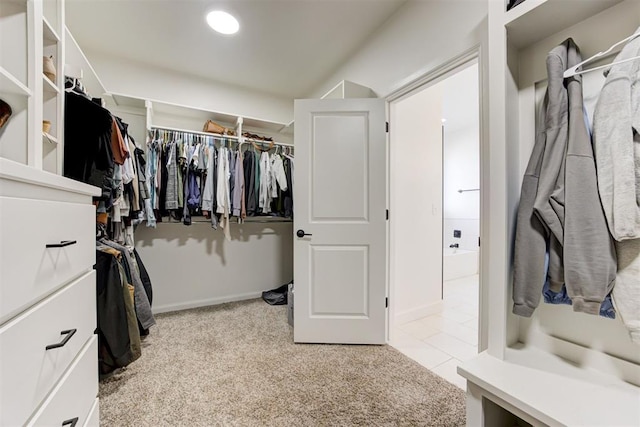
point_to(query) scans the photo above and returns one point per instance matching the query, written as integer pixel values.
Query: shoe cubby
(52, 85)
(14, 133)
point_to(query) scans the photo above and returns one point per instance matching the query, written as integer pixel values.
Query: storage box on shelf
(532, 364)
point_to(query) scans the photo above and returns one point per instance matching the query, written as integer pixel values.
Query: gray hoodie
(569, 217)
(616, 139)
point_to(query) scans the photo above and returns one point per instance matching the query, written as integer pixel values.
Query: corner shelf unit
(34, 29)
(557, 367)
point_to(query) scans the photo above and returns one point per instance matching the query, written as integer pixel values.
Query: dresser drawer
(75, 394)
(27, 369)
(28, 269)
(93, 419)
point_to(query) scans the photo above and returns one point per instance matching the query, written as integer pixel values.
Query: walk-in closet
(235, 213)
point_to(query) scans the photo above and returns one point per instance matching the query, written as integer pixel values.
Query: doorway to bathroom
(434, 224)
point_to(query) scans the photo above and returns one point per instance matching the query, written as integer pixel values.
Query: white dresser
(48, 349)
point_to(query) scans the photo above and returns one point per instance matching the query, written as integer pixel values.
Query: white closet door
(340, 266)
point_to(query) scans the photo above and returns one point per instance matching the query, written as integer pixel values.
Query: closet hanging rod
(193, 132)
(247, 220)
(217, 135)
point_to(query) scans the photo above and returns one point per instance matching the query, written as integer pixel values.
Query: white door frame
(428, 79)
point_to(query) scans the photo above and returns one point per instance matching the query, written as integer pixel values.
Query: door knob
(301, 233)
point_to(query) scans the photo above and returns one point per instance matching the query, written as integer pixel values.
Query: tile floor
(440, 342)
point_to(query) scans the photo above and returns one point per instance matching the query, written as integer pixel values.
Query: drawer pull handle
(69, 333)
(72, 422)
(62, 244)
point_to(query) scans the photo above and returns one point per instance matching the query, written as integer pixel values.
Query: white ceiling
(284, 47)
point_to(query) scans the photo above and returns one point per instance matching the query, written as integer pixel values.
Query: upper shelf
(535, 20)
(10, 84)
(49, 35)
(194, 113)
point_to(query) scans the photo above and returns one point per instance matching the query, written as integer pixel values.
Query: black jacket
(87, 143)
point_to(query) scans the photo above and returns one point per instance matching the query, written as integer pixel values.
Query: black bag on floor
(276, 296)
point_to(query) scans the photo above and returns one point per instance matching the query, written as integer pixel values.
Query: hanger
(573, 71)
(262, 149)
(72, 88)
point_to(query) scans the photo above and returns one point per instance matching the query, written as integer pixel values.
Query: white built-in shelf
(534, 20)
(14, 171)
(49, 34)
(553, 390)
(127, 101)
(50, 139)
(10, 84)
(48, 86)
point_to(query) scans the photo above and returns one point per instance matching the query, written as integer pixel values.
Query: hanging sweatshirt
(616, 132)
(238, 186)
(589, 254)
(617, 144)
(171, 201)
(277, 175)
(566, 202)
(529, 270)
(265, 183)
(249, 182)
(224, 199)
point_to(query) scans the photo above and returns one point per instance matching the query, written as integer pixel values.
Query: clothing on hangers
(143, 306)
(117, 345)
(559, 208)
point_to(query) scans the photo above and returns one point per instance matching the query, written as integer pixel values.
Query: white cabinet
(557, 367)
(48, 349)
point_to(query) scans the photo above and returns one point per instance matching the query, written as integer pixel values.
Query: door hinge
(387, 127)
(386, 302)
(387, 214)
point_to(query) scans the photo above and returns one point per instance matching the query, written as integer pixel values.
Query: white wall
(136, 122)
(130, 78)
(419, 37)
(462, 171)
(192, 266)
(416, 204)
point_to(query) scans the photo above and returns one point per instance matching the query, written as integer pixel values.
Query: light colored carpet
(236, 365)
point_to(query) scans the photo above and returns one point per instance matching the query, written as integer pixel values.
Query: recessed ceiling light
(223, 22)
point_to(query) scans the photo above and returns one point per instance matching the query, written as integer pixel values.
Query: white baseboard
(205, 302)
(417, 313)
